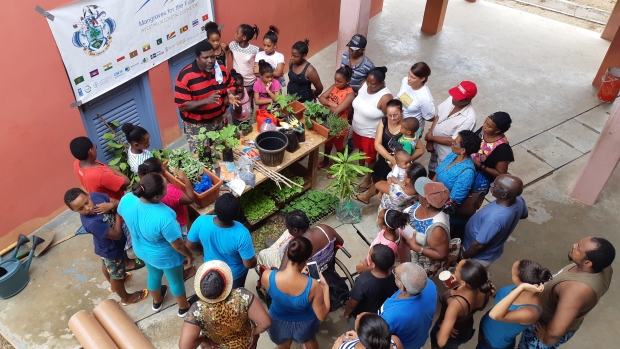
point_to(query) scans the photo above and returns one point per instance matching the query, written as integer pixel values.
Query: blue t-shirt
(492, 226)
(458, 178)
(410, 319)
(153, 227)
(98, 225)
(503, 334)
(231, 245)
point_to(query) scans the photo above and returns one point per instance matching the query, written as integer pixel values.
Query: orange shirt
(100, 179)
(337, 96)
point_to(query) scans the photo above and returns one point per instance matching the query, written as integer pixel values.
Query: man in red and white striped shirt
(202, 95)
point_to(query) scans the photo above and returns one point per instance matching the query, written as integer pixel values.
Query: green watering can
(13, 273)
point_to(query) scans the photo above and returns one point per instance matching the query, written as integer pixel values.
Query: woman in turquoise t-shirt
(157, 239)
(516, 307)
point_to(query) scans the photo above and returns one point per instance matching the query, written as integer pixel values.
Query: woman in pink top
(174, 198)
(391, 222)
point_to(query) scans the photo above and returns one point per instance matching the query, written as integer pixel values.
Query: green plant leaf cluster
(184, 161)
(256, 204)
(336, 124)
(284, 193)
(313, 203)
(224, 139)
(345, 170)
(316, 111)
(281, 101)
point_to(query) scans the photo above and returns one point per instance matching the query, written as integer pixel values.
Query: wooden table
(309, 147)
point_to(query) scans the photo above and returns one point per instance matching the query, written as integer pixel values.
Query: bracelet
(421, 251)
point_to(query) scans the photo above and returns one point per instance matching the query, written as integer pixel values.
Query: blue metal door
(177, 63)
(130, 102)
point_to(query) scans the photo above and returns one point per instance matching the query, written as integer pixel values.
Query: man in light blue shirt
(225, 239)
(488, 229)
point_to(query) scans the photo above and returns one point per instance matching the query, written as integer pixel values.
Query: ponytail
(150, 186)
(532, 273)
(396, 219)
(150, 165)
(302, 47)
(346, 72)
(264, 67)
(475, 275)
(250, 32)
(272, 34)
(378, 73)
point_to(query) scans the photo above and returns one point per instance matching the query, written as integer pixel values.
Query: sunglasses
(492, 185)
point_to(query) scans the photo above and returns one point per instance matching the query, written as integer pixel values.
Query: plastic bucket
(271, 146)
(610, 86)
(293, 142)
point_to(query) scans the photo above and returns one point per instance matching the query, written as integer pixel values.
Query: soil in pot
(227, 155)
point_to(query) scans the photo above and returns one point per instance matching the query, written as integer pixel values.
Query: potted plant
(316, 205)
(337, 126)
(284, 104)
(193, 168)
(345, 170)
(224, 141)
(256, 205)
(245, 128)
(316, 116)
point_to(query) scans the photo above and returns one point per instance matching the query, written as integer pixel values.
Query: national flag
(146, 47)
(194, 22)
(205, 17)
(159, 41)
(78, 80)
(184, 29)
(170, 36)
(107, 67)
(120, 58)
(133, 54)
(94, 73)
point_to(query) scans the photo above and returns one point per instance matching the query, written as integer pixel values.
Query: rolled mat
(89, 332)
(120, 327)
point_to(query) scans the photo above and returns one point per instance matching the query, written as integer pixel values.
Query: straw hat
(225, 272)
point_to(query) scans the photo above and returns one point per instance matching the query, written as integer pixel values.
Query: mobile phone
(313, 270)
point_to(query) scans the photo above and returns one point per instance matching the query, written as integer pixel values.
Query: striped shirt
(136, 160)
(352, 343)
(360, 71)
(192, 84)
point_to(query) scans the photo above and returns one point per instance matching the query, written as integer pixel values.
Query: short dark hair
(80, 146)
(150, 165)
(469, 141)
(394, 103)
(532, 273)
(151, 185)
(374, 332)
(602, 256)
(410, 124)
(378, 73)
(297, 219)
(416, 171)
(203, 46)
(383, 257)
(396, 219)
(227, 207)
(236, 76)
(264, 67)
(250, 32)
(421, 70)
(302, 46)
(212, 284)
(134, 133)
(299, 250)
(71, 195)
(272, 34)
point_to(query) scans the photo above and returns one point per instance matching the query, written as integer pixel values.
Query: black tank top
(299, 84)
(221, 58)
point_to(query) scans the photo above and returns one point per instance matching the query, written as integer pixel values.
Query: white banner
(104, 43)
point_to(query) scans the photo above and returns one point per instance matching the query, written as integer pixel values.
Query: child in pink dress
(241, 112)
(266, 89)
(391, 222)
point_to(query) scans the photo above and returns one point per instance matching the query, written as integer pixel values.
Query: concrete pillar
(612, 59)
(602, 161)
(434, 13)
(612, 23)
(354, 17)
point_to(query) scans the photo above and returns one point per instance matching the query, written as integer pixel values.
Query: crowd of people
(429, 219)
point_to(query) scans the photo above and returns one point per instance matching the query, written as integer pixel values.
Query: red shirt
(100, 179)
(173, 200)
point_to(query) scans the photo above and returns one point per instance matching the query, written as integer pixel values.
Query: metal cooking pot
(13, 273)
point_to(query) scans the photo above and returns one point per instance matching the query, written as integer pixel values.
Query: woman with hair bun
(416, 96)
(139, 141)
(302, 75)
(157, 240)
(271, 56)
(455, 325)
(371, 332)
(516, 307)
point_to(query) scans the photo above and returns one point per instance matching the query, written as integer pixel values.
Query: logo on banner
(87, 89)
(118, 74)
(133, 54)
(205, 17)
(95, 84)
(80, 92)
(78, 80)
(146, 47)
(154, 55)
(107, 67)
(120, 58)
(127, 68)
(94, 31)
(94, 73)
(170, 36)
(194, 23)
(184, 29)
(145, 59)
(159, 41)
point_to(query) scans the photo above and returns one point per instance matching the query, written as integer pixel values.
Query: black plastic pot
(293, 142)
(301, 136)
(271, 146)
(227, 155)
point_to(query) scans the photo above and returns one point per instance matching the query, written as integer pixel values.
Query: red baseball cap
(466, 89)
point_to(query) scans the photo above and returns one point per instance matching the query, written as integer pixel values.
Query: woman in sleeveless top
(302, 75)
(455, 325)
(298, 303)
(516, 307)
(371, 332)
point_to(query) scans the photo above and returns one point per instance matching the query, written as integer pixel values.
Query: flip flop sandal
(362, 189)
(330, 176)
(143, 295)
(189, 273)
(127, 277)
(321, 166)
(139, 264)
(358, 199)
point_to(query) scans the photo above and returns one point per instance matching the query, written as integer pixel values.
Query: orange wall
(38, 124)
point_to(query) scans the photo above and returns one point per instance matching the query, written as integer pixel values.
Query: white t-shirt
(274, 59)
(136, 160)
(416, 103)
(398, 172)
(451, 126)
(243, 61)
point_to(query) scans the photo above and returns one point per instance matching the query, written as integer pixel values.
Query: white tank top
(366, 115)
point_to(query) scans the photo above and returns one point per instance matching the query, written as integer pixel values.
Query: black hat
(358, 41)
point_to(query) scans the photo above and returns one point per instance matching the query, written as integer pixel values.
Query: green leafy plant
(184, 161)
(345, 170)
(224, 139)
(283, 100)
(284, 193)
(316, 111)
(314, 203)
(245, 128)
(336, 125)
(256, 205)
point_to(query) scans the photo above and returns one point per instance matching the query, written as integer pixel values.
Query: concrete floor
(536, 69)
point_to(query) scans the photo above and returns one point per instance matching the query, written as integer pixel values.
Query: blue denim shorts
(299, 331)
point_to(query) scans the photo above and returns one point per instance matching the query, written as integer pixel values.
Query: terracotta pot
(320, 129)
(120, 327)
(298, 109)
(204, 199)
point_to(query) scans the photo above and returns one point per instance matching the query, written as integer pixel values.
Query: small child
(244, 54)
(410, 135)
(242, 111)
(219, 48)
(391, 223)
(399, 170)
(108, 239)
(139, 141)
(266, 89)
(271, 56)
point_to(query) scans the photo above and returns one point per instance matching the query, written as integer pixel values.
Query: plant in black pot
(245, 128)
(224, 141)
(279, 108)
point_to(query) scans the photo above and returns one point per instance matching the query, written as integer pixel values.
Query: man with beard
(200, 92)
(571, 294)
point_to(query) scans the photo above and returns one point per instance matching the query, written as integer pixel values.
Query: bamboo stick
(273, 175)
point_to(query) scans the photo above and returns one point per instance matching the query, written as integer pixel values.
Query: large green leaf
(115, 145)
(108, 136)
(114, 161)
(115, 123)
